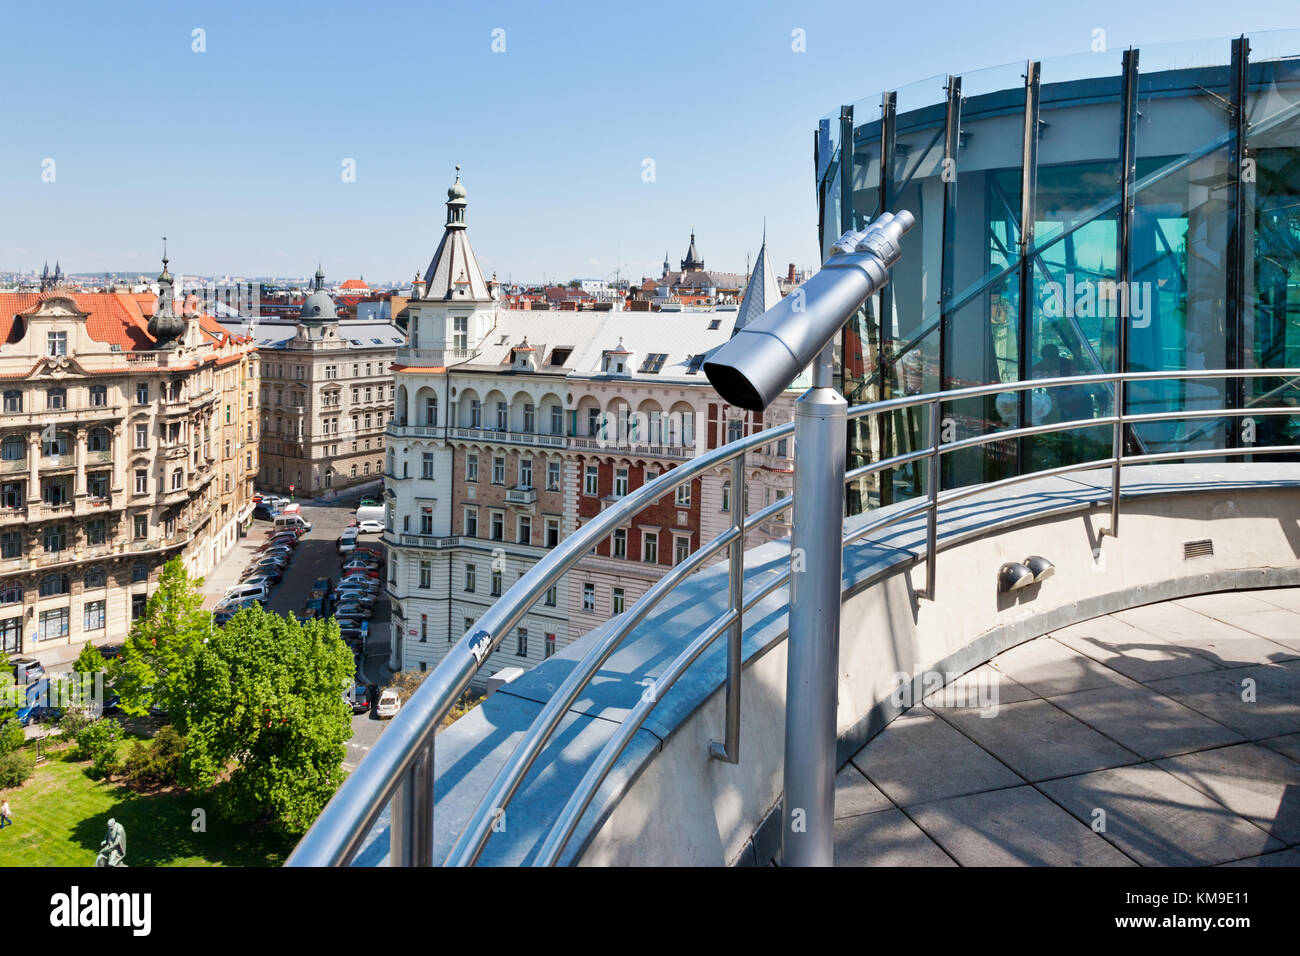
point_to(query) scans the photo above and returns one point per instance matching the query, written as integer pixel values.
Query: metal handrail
(342, 827)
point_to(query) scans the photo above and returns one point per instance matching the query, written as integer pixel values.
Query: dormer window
(618, 361)
(524, 357)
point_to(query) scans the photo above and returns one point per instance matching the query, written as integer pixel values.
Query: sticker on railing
(480, 644)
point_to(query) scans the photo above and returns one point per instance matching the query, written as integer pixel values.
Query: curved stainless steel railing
(400, 766)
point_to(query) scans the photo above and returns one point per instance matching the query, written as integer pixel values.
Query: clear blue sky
(236, 153)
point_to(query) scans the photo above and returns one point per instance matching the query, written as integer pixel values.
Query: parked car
(280, 559)
(270, 572)
(224, 611)
(352, 608)
(248, 589)
(26, 669)
(370, 552)
(371, 526)
(390, 702)
(360, 572)
(369, 501)
(359, 698)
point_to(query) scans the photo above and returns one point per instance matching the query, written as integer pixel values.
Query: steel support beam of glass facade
(1235, 264)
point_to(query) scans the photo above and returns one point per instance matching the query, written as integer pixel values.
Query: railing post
(932, 513)
(411, 831)
(728, 749)
(808, 814)
(1117, 452)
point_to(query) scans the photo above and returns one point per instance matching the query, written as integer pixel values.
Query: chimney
(790, 275)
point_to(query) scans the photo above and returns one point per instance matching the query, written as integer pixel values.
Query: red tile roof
(114, 318)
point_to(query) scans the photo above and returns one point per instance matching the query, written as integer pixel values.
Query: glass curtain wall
(1193, 291)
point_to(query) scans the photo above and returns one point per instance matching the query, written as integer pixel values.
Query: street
(316, 557)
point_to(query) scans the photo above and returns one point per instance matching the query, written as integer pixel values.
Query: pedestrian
(5, 819)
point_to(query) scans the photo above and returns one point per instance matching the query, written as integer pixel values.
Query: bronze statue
(112, 852)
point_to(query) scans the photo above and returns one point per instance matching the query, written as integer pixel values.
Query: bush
(98, 738)
(156, 764)
(15, 767)
(106, 764)
(11, 736)
(73, 722)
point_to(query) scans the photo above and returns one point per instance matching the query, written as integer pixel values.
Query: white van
(241, 591)
(372, 513)
(292, 521)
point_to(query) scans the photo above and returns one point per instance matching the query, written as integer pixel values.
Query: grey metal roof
(274, 333)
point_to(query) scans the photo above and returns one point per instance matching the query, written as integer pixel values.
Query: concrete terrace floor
(1163, 735)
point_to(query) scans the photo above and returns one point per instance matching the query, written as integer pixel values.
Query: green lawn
(60, 815)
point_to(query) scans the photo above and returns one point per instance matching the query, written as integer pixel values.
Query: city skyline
(264, 149)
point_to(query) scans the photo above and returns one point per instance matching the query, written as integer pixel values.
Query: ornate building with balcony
(511, 428)
(128, 436)
(326, 396)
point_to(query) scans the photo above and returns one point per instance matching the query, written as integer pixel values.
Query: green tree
(90, 660)
(266, 727)
(8, 690)
(150, 670)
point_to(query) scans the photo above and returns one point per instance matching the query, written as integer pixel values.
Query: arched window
(99, 439)
(54, 584)
(431, 410)
(13, 448)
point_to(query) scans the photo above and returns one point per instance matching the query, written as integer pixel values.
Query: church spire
(692, 262)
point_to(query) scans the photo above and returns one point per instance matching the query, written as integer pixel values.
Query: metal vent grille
(1198, 549)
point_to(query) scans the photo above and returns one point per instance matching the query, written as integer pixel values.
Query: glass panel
(1076, 304)
(983, 347)
(1271, 337)
(1179, 247)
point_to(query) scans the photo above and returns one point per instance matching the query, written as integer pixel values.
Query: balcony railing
(12, 465)
(415, 431)
(521, 496)
(508, 437)
(631, 446)
(435, 357)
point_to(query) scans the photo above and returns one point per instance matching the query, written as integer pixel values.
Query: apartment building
(128, 436)
(326, 396)
(513, 427)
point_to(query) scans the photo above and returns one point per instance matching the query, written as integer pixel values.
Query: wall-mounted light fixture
(1013, 576)
(1042, 568)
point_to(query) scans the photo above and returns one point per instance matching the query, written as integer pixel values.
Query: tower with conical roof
(692, 262)
(453, 273)
(761, 291)
(454, 307)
